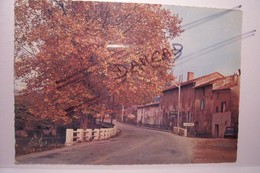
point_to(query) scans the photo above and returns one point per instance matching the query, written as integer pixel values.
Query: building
(207, 105)
(225, 105)
(169, 100)
(148, 114)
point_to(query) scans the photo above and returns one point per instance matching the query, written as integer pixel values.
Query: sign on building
(188, 124)
(173, 114)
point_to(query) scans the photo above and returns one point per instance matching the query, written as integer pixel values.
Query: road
(133, 146)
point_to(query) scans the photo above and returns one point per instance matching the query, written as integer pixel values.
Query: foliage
(24, 120)
(64, 54)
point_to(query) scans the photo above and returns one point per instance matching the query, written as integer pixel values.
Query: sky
(211, 40)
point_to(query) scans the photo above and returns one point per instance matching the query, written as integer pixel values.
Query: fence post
(96, 134)
(105, 133)
(80, 135)
(102, 134)
(89, 132)
(175, 130)
(112, 132)
(115, 130)
(69, 137)
(185, 132)
(109, 133)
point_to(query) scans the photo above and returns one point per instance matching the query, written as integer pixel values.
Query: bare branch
(29, 51)
(129, 28)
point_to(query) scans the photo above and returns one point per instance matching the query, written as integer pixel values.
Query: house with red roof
(205, 106)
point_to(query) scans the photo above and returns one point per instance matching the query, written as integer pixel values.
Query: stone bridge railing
(85, 135)
(180, 131)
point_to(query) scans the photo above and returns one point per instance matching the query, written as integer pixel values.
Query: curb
(142, 127)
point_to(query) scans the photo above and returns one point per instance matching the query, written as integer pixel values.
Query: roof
(207, 83)
(222, 89)
(149, 105)
(195, 80)
(220, 84)
(225, 87)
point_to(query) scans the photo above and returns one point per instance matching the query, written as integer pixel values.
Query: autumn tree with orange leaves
(90, 57)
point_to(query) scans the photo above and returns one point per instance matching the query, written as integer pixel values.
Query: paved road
(133, 146)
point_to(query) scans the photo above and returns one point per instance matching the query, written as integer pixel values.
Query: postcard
(115, 83)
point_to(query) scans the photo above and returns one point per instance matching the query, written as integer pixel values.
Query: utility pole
(123, 109)
(113, 112)
(179, 102)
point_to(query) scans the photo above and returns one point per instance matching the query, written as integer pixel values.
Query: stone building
(208, 104)
(169, 100)
(226, 105)
(148, 114)
(216, 106)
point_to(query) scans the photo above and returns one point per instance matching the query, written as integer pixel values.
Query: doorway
(216, 133)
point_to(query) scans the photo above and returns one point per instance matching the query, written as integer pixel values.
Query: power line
(208, 18)
(215, 46)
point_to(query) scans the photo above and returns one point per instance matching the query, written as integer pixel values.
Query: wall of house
(209, 95)
(220, 121)
(203, 111)
(234, 106)
(140, 115)
(148, 114)
(169, 103)
(229, 96)
(222, 100)
(187, 104)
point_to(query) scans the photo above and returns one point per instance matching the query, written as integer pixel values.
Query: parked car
(230, 132)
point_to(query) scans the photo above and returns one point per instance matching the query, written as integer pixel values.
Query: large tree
(91, 56)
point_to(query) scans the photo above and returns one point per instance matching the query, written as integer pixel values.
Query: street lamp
(179, 102)
(123, 110)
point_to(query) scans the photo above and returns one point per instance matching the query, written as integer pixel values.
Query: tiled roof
(226, 85)
(150, 104)
(192, 81)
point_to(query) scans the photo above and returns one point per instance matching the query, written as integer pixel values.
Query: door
(216, 133)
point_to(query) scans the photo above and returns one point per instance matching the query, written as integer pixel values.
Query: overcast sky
(211, 41)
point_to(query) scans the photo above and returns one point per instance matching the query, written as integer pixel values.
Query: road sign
(173, 113)
(188, 124)
(172, 116)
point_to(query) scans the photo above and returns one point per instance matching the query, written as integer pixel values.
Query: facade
(208, 104)
(169, 101)
(216, 106)
(226, 105)
(148, 114)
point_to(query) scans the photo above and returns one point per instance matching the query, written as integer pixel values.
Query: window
(188, 118)
(202, 104)
(203, 91)
(223, 106)
(217, 109)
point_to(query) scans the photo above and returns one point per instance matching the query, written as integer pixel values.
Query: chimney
(190, 76)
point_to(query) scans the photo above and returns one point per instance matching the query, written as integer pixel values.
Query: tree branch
(29, 51)
(105, 19)
(124, 19)
(128, 29)
(71, 76)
